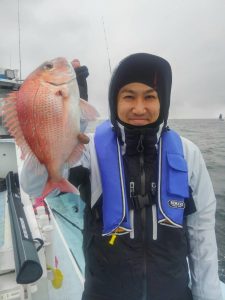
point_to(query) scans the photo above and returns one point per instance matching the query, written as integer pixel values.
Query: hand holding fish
(44, 117)
(83, 138)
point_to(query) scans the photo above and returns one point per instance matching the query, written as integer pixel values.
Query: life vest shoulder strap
(173, 179)
(115, 208)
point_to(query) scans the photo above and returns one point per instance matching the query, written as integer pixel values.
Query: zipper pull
(132, 194)
(140, 146)
(131, 189)
(153, 188)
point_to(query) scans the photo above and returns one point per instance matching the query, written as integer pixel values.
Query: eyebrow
(133, 92)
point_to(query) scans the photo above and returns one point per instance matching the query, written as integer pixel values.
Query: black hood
(145, 68)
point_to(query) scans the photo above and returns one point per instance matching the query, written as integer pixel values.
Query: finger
(83, 138)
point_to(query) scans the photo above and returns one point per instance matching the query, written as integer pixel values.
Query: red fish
(44, 117)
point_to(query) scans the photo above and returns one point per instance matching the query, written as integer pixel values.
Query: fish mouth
(58, 84)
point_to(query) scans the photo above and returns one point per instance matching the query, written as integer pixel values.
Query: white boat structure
(60, 250)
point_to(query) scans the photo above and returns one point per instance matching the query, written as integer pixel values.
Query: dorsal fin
(11, 121)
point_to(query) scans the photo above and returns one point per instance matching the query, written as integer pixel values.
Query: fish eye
(48, 66)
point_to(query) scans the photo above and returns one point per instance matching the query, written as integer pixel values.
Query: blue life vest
(172, 183)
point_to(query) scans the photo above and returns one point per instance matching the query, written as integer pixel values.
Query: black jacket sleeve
(79, 177)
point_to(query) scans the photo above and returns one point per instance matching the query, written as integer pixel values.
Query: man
(81, 73)
(150, 204)
(79, 173)
(150, 261)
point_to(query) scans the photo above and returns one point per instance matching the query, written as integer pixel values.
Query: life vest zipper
(140, 149)
(143, 198)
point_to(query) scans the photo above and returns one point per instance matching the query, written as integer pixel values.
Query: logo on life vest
(176, 204)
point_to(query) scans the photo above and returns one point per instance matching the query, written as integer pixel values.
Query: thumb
(83, 138)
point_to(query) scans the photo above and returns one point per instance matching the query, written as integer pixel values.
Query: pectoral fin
(88, 112)
(76, 154)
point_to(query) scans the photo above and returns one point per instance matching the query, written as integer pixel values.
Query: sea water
(209, 136)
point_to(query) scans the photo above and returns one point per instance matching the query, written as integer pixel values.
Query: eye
(48, 66)
(150, 97)
(128, 97)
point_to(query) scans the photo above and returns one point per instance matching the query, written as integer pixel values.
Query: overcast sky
(190, 34)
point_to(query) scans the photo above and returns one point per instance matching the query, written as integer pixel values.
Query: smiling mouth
(138, 119)
(139, 122)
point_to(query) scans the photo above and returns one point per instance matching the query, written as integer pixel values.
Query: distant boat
(221, 117)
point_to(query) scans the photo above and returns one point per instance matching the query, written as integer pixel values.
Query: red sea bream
(44, 117)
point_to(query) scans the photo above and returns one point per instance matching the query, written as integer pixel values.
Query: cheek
(121, 108)
(118, 109)
(123, 111)
(155, 111)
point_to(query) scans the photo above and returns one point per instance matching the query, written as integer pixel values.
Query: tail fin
(63, 185)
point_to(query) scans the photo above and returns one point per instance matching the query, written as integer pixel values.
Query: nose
(139, 106)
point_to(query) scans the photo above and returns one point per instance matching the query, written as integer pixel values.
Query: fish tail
(63, 186)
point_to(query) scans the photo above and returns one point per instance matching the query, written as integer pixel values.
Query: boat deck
(73, 281)
(68, 212)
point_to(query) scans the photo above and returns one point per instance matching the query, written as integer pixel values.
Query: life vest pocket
(177, 177)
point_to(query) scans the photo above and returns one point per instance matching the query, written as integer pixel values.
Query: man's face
(138, 104)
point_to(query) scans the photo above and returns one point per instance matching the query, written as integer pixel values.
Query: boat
(221, 117)
(40, 253)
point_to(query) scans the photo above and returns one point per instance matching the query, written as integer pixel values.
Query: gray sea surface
(209, 136)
